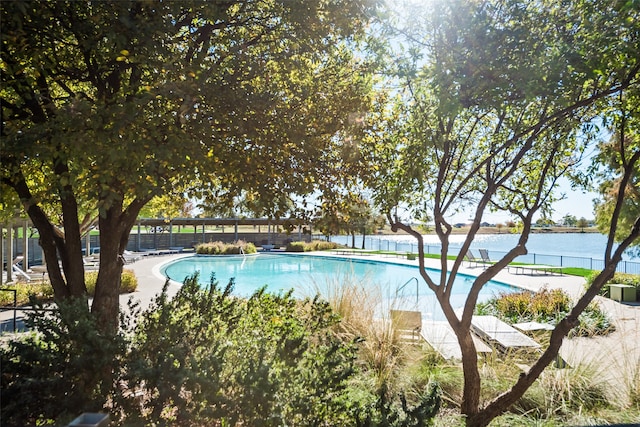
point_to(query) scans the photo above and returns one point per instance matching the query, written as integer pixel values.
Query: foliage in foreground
(314, 245)
(220, 248)
(203, 357)
(56, 373)
(546, 306)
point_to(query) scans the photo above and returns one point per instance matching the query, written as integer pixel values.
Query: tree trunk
(115, 228)
(363, 240)
(106, 300)
(55, 244)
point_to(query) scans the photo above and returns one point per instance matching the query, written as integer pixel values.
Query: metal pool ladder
(400, 288)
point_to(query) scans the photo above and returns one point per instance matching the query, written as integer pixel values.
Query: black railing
(380, 244)
(14, 307)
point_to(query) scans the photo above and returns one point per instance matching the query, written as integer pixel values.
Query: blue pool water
(310, 275)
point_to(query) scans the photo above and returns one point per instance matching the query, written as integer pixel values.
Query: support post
(236, 231)
(1, 252)
(25, 245)
(10, 252)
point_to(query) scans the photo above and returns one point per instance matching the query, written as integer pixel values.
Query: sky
(576, 203)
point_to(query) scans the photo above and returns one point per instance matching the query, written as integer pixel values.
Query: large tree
(493, 106)
(617, 167)
(108, 104)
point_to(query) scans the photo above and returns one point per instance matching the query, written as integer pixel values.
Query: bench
(353, 252)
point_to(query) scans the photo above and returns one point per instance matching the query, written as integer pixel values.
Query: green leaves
(269, 359)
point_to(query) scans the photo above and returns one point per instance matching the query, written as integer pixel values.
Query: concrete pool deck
(615, 357)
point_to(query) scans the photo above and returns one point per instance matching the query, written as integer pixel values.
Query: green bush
(202, 357)
(207, 357)
(322, 245)
(63, 369)
(220, 248)
(622, 278)
(40, 291)
(543, 306)
(296, 247)
(546, 306)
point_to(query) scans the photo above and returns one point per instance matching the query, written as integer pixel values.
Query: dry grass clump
(220, 248)
(314, 245)
(365, 317)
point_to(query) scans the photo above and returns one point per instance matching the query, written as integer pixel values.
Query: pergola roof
(155, 222)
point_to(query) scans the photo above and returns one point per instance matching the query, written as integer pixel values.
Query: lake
(584, 250)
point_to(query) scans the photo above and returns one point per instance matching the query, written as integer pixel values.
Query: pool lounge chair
(471, 258)
(408, 324)
(130, 257)
(497, 333)
(442, 339)
(19, 271)
(484, 254)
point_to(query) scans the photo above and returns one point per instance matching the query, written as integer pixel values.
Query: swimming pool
(309, 275)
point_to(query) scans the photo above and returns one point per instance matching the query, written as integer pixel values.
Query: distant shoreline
(504, 230)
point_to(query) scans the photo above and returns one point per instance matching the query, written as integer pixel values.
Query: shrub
(593, 321)
(128, 281)
(61, 370)
(295, 247)
(623, 278)
(322, 245)
(207, 357)
(41, 291)
(546, 306)
(314, 245)
(220, 248)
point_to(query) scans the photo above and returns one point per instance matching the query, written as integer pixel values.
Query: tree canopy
(108, 104)
(617, 169)
(494, 101)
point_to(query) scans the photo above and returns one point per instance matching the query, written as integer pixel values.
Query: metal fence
(187, 240)
(381, 244)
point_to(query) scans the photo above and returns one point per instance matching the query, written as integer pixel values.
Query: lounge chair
(498, 333)
(19, 271)
(484, 254)
(90, 262)
(130, 257)
(408, 324)
(471, 258)
(441, 337)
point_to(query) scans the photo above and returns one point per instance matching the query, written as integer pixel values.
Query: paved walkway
(615, 357)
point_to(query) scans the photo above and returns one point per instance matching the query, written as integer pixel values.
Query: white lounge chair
(496, 332)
